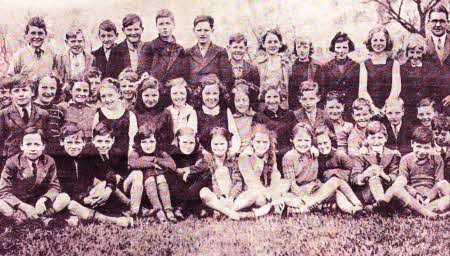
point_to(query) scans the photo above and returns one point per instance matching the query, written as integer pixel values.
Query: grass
(311, 234)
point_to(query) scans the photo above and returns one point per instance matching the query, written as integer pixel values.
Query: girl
(340, 129)
(273, 66)
(379, 78)
(301, 169)
(263, 182)
(226, 178)
(242, 112)
(155, 163)
(304, 68)
(114, 114)
(150, 110)
(213, 113)
(182, 113)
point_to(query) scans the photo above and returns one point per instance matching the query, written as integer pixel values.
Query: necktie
(26, 115)
(378, 158)
(34, 166)
(439, 44)
(38, 53)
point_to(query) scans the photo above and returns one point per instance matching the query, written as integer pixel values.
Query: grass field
(310, 234)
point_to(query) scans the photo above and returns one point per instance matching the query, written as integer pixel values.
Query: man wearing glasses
(439, 43)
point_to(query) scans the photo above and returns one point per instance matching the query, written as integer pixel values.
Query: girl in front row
(154, 163)
(302, 171)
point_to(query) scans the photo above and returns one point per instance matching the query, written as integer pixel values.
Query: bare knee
(206, 194)
(63, 197)
(374, 179)
(6, 209)
(401, 181)
(260, 201)
(137, 177)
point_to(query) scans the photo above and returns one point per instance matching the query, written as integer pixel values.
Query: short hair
(441, 123)
(91, 73)
(110, 83)
(277, 33)
(439, 8)
(204, 18)
(33, 130)
(130, 19)
(308, 86)
(422, 135)
(71, 129)
(101, 129)
(3, 82)
(361, 103)
(270, 87)
(237, 38)
(341, 37)
(177, 81)
(36, 22)
(426, 102)
(302, 127)
(394, 102)
(128, 74)
(164, 13)
(372, 32)
(19, 81)
(304, 40)
(322, 130)
(73, 32)
(375, 127)
(53, 76)
(335, 95)
(145, 131)
(107, 26)
(414, 41)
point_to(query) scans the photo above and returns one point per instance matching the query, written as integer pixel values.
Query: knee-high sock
(376, 187)
(344, 204)
(403, 195)
(152, 192)
(164, 193)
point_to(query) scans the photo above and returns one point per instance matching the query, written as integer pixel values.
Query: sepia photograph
(214, 127)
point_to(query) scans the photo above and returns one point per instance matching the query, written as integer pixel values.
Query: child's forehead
(101, 31)
(394, 107)
(149, 137)
(187, 137)
(376, 134)
(241, 43)
(362, 110)
(425, 109)
(80, 85)
(333, 102)
(323, 137)
(309, 94)
(417, 143)
(32, 138)
(103, 137)
(74, 137)
(261, 135)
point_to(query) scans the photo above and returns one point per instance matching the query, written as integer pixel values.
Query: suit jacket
(119, 59)
(439, 73)
(19, 182)
(12, 127)
(215, 62)
(401, 143)
(100, 61)
(63, 65)
(163, 60)
(302, 117)
(432, 53)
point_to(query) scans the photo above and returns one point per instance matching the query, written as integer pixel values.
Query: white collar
(212, 112)
(436, 39)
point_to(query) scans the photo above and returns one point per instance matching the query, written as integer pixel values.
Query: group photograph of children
(146, 134)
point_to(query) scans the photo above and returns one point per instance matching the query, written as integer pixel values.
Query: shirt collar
(436, 39)
(249, 113)
(131, 47)
(212, 112)
(421, 161)
(72, 103)
(20, 109)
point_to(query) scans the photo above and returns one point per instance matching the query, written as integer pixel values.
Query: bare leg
(345, 205)
(247, 199)
(398, 184)
(135, 179)
(5, 209)
(376, 187)
(403, 195)
(61, 202)
(85, 213)
(211, 200)
(440, 204)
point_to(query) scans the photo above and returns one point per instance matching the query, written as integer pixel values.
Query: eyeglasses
(442, 21)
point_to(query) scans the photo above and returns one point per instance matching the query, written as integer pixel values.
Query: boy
(426, 112)
(205, 57)
(93, 77)
(362, 113)
(237, 47)
(421, 177)
(128, 80)
(33, 60)
(441, 138)
(375, 170)
(126, 53)
(163, 58)
(5, 93)
(20, 115)
(82, 183)
(108, 158)
(72, 63)
(340, 129)
(28, 182)
(397, 127)
(107, 32)
(309, 113)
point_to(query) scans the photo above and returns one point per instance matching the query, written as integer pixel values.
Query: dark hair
(271, 87)
(341, 37)
(360, 103)
(130, 19)
(101, 129)
(73, 32)
(335, 95)
(249, 89)
(204, 18)
(147, 83)
(34, 130)
(144, 132)
(71, 129)
(107, 26)
(375, 127)
(210, 79)
(164, 13)
(93, 72)
(389, 43)
(216, 131)
(439, 8)
(302, 126)
(185, 130)
(422, 135)
(19, 81)
(304, 40)
(323, 130)
(237, 38)
(277, 33)
(36, 22)
(441, 123)
(426, 102)
(53, 76)
(3, 82)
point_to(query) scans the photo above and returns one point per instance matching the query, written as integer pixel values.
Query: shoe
(179, 214)
(161, 216)
(170, 216)
(263, 210)
(72, 221)
(145, 212)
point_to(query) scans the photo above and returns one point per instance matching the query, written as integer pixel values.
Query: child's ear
(21, 147)
(113, 140)
(61, 142)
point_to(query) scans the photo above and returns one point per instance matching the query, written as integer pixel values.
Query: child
(154, 163)
(441, 138)
(5, 93)
(226, 178)
(421, 180)
(237, 48)
(80, 181)
(309, 113)
(20, 115)
(150, 110)
(182, 113)
(213, 112)
(426, 112)
(303, 171)
(398, 128)
(77, 110)
(128, 87)
(114, 114)
(108, 157)
(375, 170)
(243, 112)
(72, 64)
(28, 182)
(93, 78)
(340, 129)
(262, 179)
(107, 32)
(362, 113)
